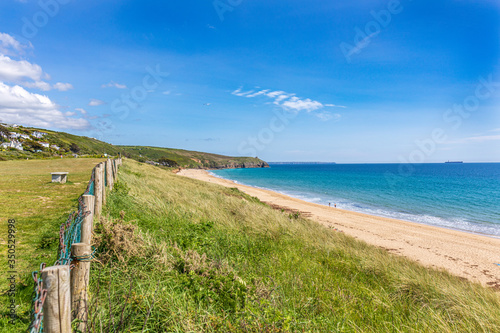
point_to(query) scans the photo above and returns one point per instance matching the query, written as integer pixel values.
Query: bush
(74, 148)
(168, 162)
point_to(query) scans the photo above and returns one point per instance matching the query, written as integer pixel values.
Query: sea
(460, 196)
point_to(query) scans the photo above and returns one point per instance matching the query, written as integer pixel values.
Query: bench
(59, 177)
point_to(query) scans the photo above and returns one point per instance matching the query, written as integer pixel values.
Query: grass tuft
(213, 259)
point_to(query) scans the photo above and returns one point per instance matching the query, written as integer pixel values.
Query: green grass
(186, 158)
(180, 255)
(95, 148)
(39, 208)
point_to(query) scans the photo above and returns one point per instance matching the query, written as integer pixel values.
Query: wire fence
(70, 233)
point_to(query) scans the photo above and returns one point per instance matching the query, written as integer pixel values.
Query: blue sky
(344, 81)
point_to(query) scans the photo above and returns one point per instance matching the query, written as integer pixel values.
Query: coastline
(470, 256)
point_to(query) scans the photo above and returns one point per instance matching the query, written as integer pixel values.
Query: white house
(13, 144)
(24, 136)
(55, 147)
(14, 135)
(38, 135)
(44, 144)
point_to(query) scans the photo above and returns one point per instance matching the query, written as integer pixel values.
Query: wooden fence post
(57, 305)
(109, 174)
(86, 235)
(98, 180)
(104, 175)
(80, 275)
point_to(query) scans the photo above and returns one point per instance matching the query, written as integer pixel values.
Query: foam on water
(462, 197)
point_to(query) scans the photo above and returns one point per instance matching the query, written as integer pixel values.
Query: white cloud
(274, 94)
(335, 106)
(292, 103)
(82, 111)
(326, 116)
(9, 45)
(63, 86)
(297, 104)
(96, 102)
(16, 71)
(23, 72)
(20, 106)
(168, 92)
(44, 86)
(238, 92)
(113, 84)
(262, 92)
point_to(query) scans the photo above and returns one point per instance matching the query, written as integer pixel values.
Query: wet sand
(467, 255)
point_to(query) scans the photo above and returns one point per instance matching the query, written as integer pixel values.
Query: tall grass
(180, 255)
(39, 208)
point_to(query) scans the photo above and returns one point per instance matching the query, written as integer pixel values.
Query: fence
(61, 290)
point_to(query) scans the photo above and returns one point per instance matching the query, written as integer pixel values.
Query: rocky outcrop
(236, 165)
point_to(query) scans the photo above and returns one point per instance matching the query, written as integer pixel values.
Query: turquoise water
(458, 196)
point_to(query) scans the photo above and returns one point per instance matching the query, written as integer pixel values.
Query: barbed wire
(69, 233)
(40, 293)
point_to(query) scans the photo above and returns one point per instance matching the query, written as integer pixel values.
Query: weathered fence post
(57, 305)
(80, 275)
(104, 181)
(109, 174)
(98, 183)
(86, 235)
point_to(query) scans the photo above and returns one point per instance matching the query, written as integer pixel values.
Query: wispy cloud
(326, 116)
(292, 103)
(475, 139)
(10, 46)
(113, 84)
(96, 102)
(63, 86)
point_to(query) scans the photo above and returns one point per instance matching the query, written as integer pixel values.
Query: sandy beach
(471, 256)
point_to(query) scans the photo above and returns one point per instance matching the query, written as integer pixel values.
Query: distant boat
(454, 162)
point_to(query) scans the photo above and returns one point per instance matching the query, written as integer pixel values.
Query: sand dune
(467, 255)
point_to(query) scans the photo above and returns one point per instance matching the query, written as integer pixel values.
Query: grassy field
(39, 207)
(180, 255)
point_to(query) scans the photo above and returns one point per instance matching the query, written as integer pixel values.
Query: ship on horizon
(454, 162)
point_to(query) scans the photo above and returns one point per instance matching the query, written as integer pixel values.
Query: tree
(74, 148)
(167, 162)
(3, 132)
(33, 146)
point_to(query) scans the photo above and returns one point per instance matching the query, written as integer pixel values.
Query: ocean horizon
(459, 196)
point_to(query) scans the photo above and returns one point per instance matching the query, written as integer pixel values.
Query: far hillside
(191, 159)
(19, 142)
